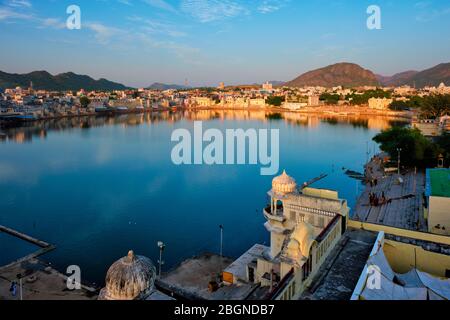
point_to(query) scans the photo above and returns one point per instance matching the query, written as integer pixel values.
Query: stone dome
(284, 184)
(129, 278)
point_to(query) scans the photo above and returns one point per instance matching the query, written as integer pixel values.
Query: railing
(269, 214)
(281, 286)
(329, 227)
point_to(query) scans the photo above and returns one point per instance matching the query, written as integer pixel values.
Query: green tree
(330, 98)
(275, 101)
(435, 106)
(358, 99)
(444, 144)
(84, 101)
(417, 150)
(399, 105)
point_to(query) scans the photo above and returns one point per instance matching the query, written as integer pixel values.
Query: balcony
(272, 216)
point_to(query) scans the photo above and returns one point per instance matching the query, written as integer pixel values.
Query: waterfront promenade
(402, 205)
(39, 281)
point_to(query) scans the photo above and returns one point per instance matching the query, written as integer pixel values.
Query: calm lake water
(97, 187)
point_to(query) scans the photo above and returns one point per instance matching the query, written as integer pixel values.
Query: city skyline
(144, 41)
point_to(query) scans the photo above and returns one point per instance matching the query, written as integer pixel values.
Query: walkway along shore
(391, 199)
(36, 279)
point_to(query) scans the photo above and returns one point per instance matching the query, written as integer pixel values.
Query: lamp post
(367, 152)
(221, 241)
(19, 276)
(161, 247)
(221, 251)
(399, 150)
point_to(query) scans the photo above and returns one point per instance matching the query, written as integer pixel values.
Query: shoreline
(322, 110)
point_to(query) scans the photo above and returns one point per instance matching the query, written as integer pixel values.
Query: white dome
(129, 278)
(284, 184)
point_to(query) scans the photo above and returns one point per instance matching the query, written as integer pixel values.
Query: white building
(267, 86)
(380, 104)
(304, 226)
(313, 100)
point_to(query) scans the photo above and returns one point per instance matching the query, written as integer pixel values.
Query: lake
(97, 187)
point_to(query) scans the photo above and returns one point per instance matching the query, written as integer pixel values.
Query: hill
(340, 74)
(397, 79)
(42, 80)
(163, 86)
(429, 77)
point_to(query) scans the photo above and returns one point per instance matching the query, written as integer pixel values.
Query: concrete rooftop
(190, 280)
(339, 274)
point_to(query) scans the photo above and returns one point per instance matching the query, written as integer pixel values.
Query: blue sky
(138, 42)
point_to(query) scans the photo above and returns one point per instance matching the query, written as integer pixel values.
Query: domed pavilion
(129, 278)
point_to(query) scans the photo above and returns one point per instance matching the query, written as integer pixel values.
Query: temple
(305, 224)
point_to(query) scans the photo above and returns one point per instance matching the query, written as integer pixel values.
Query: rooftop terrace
(190, 280)
(340, 272)
(403, 203)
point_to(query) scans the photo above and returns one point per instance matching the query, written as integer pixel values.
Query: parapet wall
(424, 236)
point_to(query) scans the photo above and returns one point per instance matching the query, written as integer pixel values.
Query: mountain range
(340, 74)
(163, 86)
(42, 80)
(419, 79)
(353, 75)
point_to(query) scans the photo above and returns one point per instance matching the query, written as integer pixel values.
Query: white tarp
(440, 287)
(414, 285)
(388, 290)
(410, 279)
(379, 260)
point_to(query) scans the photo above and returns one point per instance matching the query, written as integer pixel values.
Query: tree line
(416, 149)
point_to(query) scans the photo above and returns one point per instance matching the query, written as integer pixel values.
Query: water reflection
(23, 133)
(100, 186)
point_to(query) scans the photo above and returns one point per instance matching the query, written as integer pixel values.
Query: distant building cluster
(30, 104)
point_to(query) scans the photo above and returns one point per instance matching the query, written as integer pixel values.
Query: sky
(204, 42)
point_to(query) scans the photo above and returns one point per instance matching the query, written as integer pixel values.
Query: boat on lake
(121, 109)
(20, 117)
(101, 109)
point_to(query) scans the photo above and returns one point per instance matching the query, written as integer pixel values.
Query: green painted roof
(439, 182)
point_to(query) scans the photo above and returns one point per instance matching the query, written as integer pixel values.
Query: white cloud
(269, 6)
(184, 52)
(160, 4)
(422, 4)
(429, 15)
(19, 3)
(8, 14)
(212, 10)
(53, 23)
(103, 33)
(158, 27)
